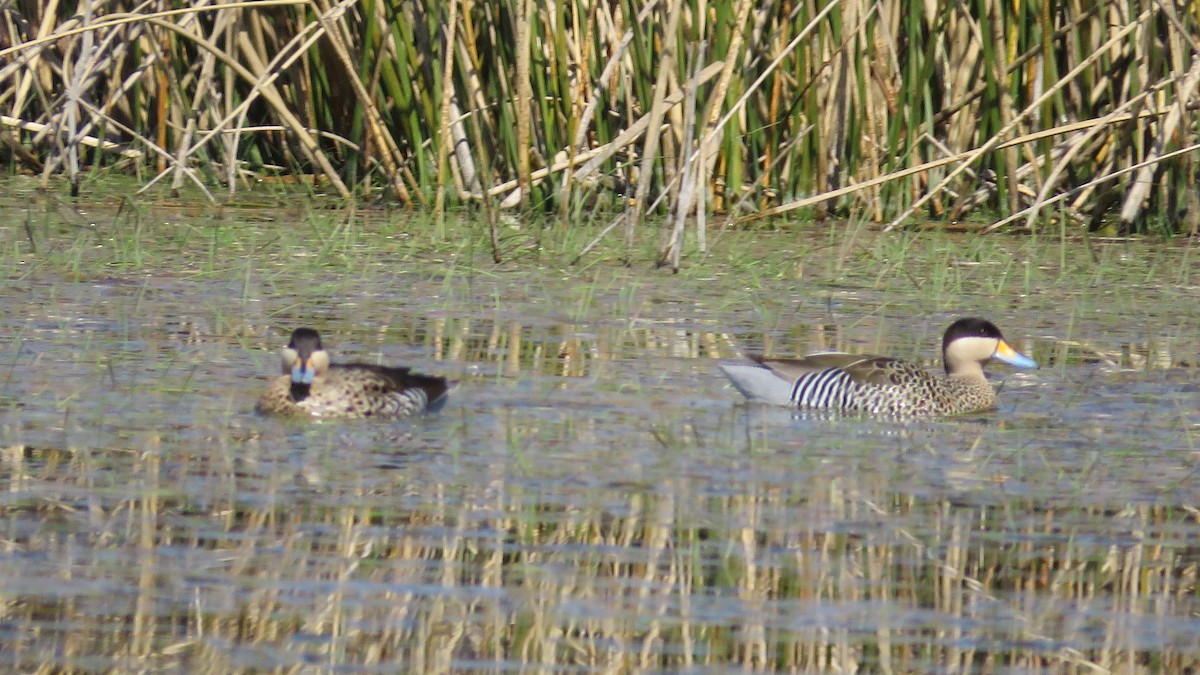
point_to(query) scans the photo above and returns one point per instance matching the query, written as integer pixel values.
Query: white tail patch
(758, 383)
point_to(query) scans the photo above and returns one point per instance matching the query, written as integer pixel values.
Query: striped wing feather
(860, 383)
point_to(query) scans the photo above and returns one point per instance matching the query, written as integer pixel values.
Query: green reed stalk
(834, 107)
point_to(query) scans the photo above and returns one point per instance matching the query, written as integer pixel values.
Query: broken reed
(875, 110)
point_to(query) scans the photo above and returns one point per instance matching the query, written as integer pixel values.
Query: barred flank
(831, 389)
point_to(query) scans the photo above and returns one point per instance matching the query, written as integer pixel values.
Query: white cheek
(287, 359)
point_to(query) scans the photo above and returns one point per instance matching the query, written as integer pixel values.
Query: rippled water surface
(594, 498)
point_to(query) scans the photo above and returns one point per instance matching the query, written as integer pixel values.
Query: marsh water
(594, 497)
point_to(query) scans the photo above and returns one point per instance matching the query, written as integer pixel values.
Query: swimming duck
(312, 386)
(879, 385)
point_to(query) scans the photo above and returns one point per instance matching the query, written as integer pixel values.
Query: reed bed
(879, 111)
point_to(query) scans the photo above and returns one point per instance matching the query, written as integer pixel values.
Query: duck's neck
(299, 391)
(965, 371)
(975, 379)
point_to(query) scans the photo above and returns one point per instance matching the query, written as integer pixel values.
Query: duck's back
(903, 389)
(355, 390)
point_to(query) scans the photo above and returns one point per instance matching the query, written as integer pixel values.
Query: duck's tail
(759, 383)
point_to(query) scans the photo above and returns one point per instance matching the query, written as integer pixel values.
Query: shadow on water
(593, 498)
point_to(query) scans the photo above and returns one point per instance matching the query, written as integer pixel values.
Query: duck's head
(970, 343)
(304, 358)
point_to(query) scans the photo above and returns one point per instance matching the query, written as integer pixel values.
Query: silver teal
(884, 386)
(311, 386)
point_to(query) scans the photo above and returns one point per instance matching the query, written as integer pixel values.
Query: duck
(883, 386)
(311, 386)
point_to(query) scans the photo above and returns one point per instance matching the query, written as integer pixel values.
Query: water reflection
(778, 560)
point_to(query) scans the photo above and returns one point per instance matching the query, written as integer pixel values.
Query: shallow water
(594, 497)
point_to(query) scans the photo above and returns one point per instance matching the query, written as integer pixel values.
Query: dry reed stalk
(880, 88)
(658, 107)
(999, 136)
(264, 77)
(585, 118)
(469, 185)
(1141, 182)
(90, 141)
(75, 81)
(223, 21)
(524, 97)
(261, 85)
(960, 44)
(1111, 120)
(332, 20)
(774, 112)
(485, 201)
(1078, 144)
(691, 180)
(29, 58)
(595, 158)
(714, 120)
(1008, 118)
(1105, 177)
(446, 124)
(107, 53)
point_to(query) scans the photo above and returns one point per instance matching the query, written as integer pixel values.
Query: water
(595, 497)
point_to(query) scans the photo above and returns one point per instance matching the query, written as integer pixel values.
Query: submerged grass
(308, 244)
(816, 575)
